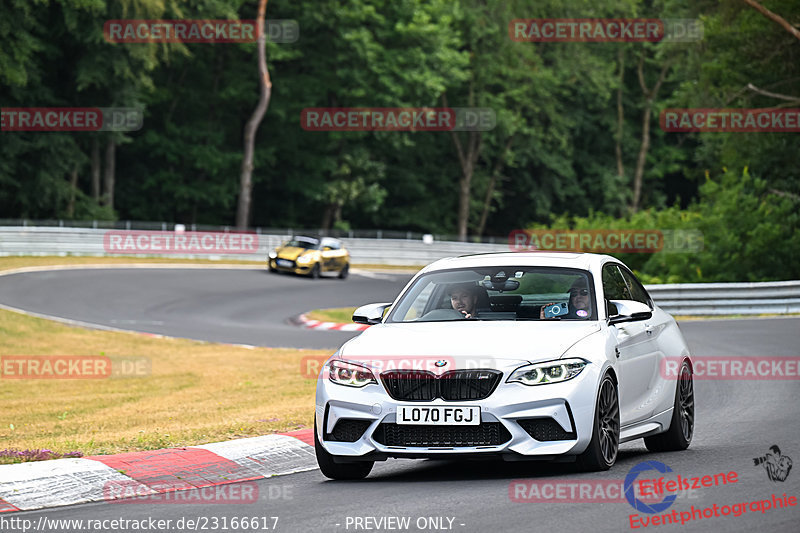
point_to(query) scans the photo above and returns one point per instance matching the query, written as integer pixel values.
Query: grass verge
(193, 393)
(340, 315)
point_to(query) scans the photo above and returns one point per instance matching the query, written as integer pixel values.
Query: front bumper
(294, 268)
(539, 422)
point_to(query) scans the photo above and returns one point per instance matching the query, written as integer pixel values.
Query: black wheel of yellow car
(604, 445)
(315, 270)
(333, 470)
(344, 272)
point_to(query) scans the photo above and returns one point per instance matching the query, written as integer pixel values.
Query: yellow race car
(310, 256)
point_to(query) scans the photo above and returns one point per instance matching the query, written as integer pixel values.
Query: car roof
(583, 261)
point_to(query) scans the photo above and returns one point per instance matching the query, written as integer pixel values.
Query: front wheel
(334, 470)
(315, 270)
(344, 272)
(681, 426)
(602, 451)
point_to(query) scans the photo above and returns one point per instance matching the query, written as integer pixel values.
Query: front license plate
(439, 415)
(284, 263)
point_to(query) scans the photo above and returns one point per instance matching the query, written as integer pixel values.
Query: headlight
(303, 259)
(350, 374)
(548, 372)
(273, 254)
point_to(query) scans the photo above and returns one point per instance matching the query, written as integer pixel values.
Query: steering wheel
(443, 314)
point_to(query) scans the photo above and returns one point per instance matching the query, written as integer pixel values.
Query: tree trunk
(643, 149)
(649, 97)
(327, 217)
(246, 179)
(487, 201)
(467, 161)
(109, 178)
(73, 187)
(620, 113)
(96, 170)
(464, 188)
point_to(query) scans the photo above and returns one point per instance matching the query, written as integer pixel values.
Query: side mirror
(327, 249)
(628, 311)
(370, 314)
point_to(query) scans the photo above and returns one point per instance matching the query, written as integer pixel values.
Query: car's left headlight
(548, 372)
(303, 259)
(350, 374)
(273, 254)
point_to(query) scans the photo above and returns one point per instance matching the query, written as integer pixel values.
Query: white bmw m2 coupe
(549, 356)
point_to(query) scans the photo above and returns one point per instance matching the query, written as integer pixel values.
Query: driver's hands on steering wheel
(466, 315)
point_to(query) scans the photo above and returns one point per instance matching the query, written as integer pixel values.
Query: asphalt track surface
(736, 422)
(231, 306)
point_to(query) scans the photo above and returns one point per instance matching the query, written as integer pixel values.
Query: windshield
(499, 293)
(303, 242)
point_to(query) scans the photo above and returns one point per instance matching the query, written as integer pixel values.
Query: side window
(638, 292)
(614, 285)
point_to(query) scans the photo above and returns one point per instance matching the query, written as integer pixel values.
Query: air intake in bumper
(545, 429)
(485, 434)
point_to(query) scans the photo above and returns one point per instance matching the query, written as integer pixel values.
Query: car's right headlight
(303, 259)
(548, 372)
(350, 374)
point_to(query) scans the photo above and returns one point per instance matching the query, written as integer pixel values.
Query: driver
(464, 299)
(579, 304)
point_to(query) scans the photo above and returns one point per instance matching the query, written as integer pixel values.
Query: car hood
(291, 252)
(465, 344)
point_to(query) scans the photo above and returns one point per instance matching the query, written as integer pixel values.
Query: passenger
(464, 299)
(580, 305)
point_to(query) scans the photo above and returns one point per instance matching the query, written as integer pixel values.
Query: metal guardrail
(168, 226)
(683, 299)
(772, 297)
(54, 240)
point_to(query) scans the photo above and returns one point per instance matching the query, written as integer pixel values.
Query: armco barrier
(773, 297)
(779, 297)
(47, 240)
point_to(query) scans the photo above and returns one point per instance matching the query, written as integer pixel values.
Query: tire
(604, 445)
(681, 426)
(345, 271)
(315, 270)
(334, 470)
